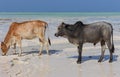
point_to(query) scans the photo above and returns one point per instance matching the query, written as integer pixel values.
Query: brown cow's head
(4, 48)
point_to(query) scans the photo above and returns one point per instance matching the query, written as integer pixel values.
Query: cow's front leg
(14, 48)
(20, 46)
(80, 53)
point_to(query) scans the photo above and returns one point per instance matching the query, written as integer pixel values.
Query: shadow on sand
(51, 52)
(86, 58)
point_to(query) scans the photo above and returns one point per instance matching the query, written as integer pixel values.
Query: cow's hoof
(39, 54)
(19, 55)
(49, 54)
(3, 54)
(99, 61)
(78, 62)
(110, 61)
(14, 53)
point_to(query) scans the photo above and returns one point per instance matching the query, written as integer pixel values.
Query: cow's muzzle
(3, 54)
(56, 34)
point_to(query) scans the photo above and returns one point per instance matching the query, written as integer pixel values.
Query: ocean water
(55, 18)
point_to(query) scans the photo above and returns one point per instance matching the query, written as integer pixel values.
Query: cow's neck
(7, 40)
(73, 40)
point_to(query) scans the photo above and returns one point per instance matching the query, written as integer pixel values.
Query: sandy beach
(62, 61)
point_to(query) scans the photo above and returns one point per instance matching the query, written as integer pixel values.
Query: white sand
(61, 62)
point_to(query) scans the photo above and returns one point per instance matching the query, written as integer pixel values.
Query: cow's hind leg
(102, 50)
(110, 50)
(47, 47)
(44, 43)
(14, 48)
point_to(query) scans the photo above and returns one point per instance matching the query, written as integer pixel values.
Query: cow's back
(96, 31)
(29, 29)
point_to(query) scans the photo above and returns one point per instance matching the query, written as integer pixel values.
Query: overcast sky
(60, 5)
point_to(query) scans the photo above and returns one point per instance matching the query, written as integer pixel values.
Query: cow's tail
(47, 34)
(112, 49)
(49, 41)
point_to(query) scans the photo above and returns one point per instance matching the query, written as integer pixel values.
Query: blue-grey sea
(55, 18)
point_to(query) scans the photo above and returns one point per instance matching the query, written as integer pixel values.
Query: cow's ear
(63, 24)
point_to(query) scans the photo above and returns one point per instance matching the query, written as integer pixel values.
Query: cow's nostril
(56, 34)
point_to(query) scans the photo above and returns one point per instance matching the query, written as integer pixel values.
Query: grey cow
(80, 33)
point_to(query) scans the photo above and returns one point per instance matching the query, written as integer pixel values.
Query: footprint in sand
(18, 61)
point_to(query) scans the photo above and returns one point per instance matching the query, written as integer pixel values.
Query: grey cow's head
(61, 30)
(66, 30)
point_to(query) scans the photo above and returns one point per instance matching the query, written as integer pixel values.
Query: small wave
(5, 19)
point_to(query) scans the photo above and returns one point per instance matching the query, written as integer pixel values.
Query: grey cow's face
(69, 30)
(61, 30)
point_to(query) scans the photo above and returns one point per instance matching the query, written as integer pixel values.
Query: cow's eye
(58, 28)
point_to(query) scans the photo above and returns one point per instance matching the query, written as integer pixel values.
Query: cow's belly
(92, 39)
(92, 36)
(29, 36)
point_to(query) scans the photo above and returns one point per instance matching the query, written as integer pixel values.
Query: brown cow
(25, 30)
